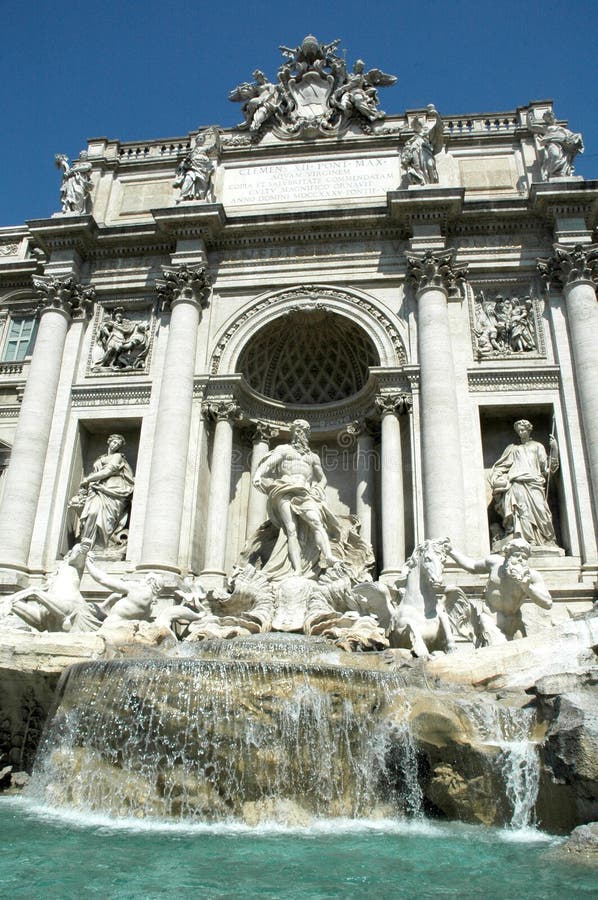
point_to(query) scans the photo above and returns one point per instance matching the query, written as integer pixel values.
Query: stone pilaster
(185, 291)
(436, 278)
(223, 413)
(575, 271)
(263, 433)
(60, 299)
(390, 407)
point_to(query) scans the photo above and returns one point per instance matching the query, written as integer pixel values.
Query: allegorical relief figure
(519, 487)
(195, 174)
(418, 156)
(559, 145)
(76, 183)
(121, 343)
(103, 501)
(504, 325)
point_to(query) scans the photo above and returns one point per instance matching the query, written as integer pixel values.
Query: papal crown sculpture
(329, 371)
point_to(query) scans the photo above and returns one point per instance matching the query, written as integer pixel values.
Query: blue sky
(138, 70)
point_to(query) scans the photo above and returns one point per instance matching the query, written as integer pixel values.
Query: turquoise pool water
(53, 856)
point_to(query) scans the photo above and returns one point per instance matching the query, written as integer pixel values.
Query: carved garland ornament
(302, 295)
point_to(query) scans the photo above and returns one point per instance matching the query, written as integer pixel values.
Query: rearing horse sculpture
(419, 622)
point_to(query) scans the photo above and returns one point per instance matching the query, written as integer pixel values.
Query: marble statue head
(116, 440)
(517, 546)
(523, 425)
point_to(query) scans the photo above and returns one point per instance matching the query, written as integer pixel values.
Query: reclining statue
(511, 583)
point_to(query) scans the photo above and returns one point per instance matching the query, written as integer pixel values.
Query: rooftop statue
(76, 183)
(559, 145)
(195, 174)
(418, 156)
(314, 93)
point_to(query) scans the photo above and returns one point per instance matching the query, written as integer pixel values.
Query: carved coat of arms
(314, 94)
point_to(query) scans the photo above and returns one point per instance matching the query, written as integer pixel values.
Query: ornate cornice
(570, 265)
(184, 282)
(63, 293)
(112, 395)
(529, 378)
(435, 269)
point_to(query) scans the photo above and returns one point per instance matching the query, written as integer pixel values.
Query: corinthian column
(60, 297)
(575, 271)
(390, 407)
(223, 413)
(436, 278)
(185, 291)
(256, 509)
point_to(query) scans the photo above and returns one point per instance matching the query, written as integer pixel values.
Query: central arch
(360, 309)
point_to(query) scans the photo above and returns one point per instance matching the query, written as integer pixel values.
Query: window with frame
(21, 336)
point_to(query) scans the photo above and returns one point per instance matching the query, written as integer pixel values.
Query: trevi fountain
(298, 546)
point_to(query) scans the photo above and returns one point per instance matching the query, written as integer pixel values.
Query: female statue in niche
(104, 500)
(518, 482)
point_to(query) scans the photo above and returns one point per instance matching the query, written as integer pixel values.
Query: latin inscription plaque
(313, 180)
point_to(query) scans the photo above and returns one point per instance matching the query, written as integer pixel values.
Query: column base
(12, 580)
(389, 576)
(212, 579)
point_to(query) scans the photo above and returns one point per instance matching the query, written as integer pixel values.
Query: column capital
(435, 269)
(393, 404)
(222, 410)
(63, 293)
(570, 265)
(263, 432)
(184, 282)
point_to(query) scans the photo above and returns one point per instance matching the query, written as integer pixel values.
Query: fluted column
(436, 278)
(223, 413)
(575, 271)
(185, 290)
(256, 508)
(365, 470)
(61, 297)
(390, 406)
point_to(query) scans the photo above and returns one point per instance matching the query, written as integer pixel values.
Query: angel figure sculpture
(418, 156)
(76, 183)
(261, 100)
(359, 95)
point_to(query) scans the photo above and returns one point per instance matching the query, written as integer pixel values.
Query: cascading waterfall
(220, 739)
(508, 729)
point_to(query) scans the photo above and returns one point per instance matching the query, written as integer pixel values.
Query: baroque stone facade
(409, 285)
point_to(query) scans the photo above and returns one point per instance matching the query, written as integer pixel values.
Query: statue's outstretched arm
(467, 562)
(109, 581)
